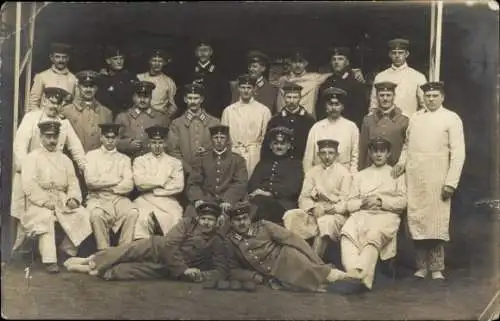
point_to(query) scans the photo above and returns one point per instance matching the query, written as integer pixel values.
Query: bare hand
(318, 211)
(72, 204)
(193, 273)
(198, 203)
(397, 171)
(370, 202)
(447, 192)
(358, 75)
(51, 205)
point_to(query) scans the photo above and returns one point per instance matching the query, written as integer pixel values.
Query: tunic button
(256, 257)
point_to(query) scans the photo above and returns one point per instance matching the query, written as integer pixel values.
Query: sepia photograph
(250, 160)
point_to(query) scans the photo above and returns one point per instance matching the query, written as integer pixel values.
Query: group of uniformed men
(236, 199)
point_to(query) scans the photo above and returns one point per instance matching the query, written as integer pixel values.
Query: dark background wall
(469, 65)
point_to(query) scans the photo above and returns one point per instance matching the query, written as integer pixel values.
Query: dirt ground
(472, 283)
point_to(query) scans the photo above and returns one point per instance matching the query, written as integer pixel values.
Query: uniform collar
(426, 110)
(260, 82)
(300, 111)
(343, 74)
(209, 67)
(135, 112)
(402, 67)
(105, 151)
(223, 153)
(392, 112)
(249, 102)
(81, 105)
(44, 116)
(65, 71)
(202, 115)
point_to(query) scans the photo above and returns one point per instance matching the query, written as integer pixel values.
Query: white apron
(166, 210)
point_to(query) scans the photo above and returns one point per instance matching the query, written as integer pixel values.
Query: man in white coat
(375, 202)
(52, 194)
(321, 212)
(433, 157)
(28, 139)
(247, 120)
(109, 180)
(409, 96)
(335, 127)
(159, 177)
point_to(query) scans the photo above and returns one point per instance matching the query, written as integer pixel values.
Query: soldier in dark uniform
(264, 250)
(265, 92)
(133, 140)
(191, 250)
(345, 78)
(276, 182)
(220, 176)
(208, 74)
(116, 84)
(293, 116)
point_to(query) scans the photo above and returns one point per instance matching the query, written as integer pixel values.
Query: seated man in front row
(159, 177)
(52, 195)
(108, 175)
(322, 200)
(276, 182)
(219, 177)
(375, 202)
(266, 250)
(192, 250)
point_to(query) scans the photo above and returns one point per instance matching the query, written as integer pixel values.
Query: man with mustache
(344, 77)
(248, 120)
(189, 136)
(293, 116)
(322, 201)
(159, 178)
(116, 85)
(276, 182)
(28, 139)
(52, 195)
(218, 177)
(133, 140)
(409, 96)
(310, 82)
(108, 175)
(262, 250)
(86, 113)
(376, 201)
(265, 92)
(164, 93)
(191, 251)
(335, 127)
(57, 76)
(387, 121)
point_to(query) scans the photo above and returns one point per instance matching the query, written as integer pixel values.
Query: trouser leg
(136, 271)
(349, 253)
(100, 227)
(368, 262)
(144, 226)
(421, 254)
(319, 245)
(436, 256)
(68, 247)
(47, 245)
(128, 227)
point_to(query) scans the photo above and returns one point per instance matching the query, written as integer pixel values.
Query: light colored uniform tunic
(333, 183)
(408, 93)
(342, 130)
(162, 98)
(433, 155)
(376, 227)
(51, 77)
(247, 126)
(51, 176)
(27, 139)
(160, 179)
(103, 168)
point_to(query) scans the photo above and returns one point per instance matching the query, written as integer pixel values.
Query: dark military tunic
(391, 126)
(282, 177)
(275, 252)
(265, 93)
(115, 90)
(300, 121)
(134, 122)
(185, 246)
(217, 90)
(356, 105)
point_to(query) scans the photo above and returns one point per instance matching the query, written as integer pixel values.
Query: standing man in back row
(409, 96)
